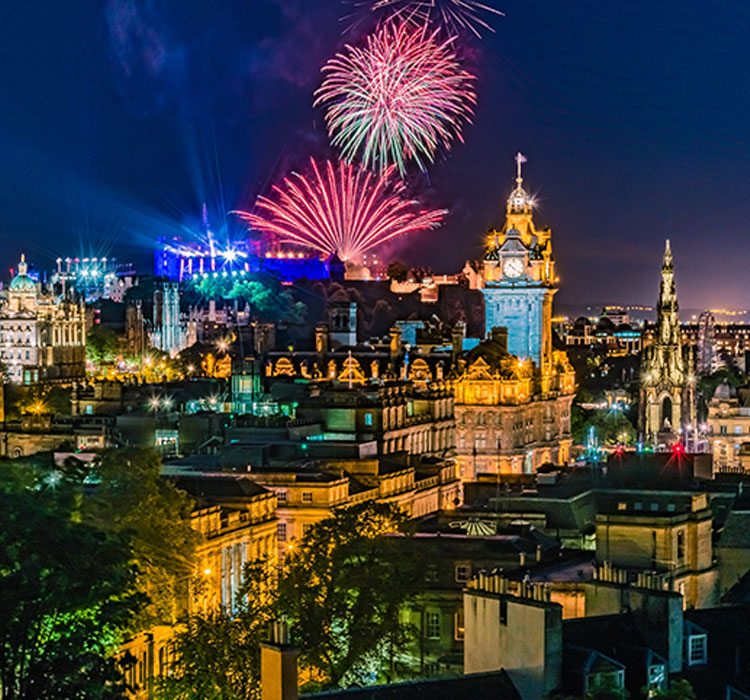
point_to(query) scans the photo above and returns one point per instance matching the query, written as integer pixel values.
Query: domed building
(42, 334)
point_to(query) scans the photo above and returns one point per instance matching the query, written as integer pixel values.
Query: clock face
(513, 267)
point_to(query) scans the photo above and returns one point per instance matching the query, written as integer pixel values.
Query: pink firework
(340, 210)
(454, 15)
(399, 98)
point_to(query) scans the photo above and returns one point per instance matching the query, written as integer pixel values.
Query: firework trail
(342, 210)
(455, 16)
(399, 98)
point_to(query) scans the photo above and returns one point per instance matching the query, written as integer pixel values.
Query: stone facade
(666, 372)
(42, 334)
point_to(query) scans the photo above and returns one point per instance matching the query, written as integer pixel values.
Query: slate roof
(480, 686)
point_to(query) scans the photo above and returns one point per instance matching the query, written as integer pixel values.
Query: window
(656, 676)
(723, 429)
(680, 546)
(503, 611)
(671, 507)
(622, 506)
(654, 506)
(368, 418)
(306, 527)
(463, 572)
(697, 649)
(307, 496)
(738, 429)
(281, 496)
(458, 625)
(432, 624)
(281, 532)
(638, 506)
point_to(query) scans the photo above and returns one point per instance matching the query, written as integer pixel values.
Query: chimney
(395, 342)
(321, 338)
(278, 665)
(457, 336)
(499, 335)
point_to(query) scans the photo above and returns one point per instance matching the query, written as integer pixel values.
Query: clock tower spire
(519, 278)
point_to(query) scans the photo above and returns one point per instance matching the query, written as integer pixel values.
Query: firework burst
(340, 210)
(400, 98)
(455, 15)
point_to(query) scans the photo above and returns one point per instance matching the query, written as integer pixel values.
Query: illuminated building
(706, 343)
(180, 259)
(509, 418)
(665, 371)
(513, 391)
(519, 280)
(42, 334)
(729, 427)
(94, 278)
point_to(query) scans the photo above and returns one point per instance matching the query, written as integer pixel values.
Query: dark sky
(119, 117)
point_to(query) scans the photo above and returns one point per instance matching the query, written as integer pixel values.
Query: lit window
(368, 418)
(654, 506)
(697, 649)
(738, 429)
(458, 625)
(307, 496)
(463, 572)
(432, 624)
(281, 496)
(622, 506)
(281, 532)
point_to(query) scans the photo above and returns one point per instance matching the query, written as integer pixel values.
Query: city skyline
(623, 151)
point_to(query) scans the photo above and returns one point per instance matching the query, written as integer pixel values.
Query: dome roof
(22, 282)
(725, 391)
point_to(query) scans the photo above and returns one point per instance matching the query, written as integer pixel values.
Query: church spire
(667, 264)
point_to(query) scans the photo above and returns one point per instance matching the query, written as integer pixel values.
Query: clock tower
(519, 280)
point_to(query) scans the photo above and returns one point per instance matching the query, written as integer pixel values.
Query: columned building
(42, 334)
(514, 390)
(666, 373)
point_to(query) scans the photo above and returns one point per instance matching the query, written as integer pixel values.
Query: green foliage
(65, 588)
(267, 298)
(36, 399)
(679, 689)
(609, 425)
(102, 346)
(131, 497)
(218, 653)
(342, 591)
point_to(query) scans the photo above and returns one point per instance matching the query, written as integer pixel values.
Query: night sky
(119, 117)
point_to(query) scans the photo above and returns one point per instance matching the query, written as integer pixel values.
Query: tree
(65, 588)
(679, 689)
(397, 271)
(217, 654)
(102, 346)
(342, 591)
(129, 495)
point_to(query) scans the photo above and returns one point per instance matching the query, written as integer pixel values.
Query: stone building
(668, 533)
(666, 368)
(42, 333)
(509, 418)
(514, 390)
(729, 427)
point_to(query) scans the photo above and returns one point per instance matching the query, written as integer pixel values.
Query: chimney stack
(499, 335)
(278, 665)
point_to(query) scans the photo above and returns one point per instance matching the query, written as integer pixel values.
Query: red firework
(342, 210)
